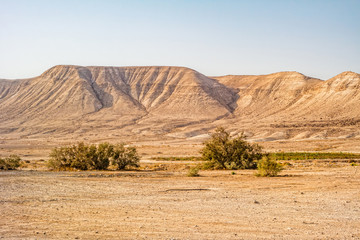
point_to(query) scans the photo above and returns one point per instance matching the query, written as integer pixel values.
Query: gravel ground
(303, 203)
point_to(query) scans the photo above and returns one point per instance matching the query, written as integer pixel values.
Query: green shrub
(60, 158)
(222, 152)
(92, 157)
(10, 163)
(124, 156)
(193, 172)
(80, 156)
(268, 167)
(100, 156)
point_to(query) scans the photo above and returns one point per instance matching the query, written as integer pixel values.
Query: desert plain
(309, 200)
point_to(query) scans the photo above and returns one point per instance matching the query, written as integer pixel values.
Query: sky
(319, 38)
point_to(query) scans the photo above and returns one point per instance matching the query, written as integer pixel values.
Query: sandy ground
(308, 201)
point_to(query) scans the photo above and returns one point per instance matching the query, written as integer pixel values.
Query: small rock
(256, 202)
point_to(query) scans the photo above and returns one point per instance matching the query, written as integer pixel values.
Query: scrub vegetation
(223, 152)
(312, 155)
(11, 162)
(93, 157)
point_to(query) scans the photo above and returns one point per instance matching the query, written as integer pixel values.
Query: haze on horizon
(317, 38)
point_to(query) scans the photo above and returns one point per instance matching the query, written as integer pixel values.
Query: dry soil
(308, 201)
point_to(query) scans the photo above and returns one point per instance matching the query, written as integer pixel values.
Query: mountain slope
(177, 102)
(165, 91)
(337, 98)
(266, 95)
(111, 97)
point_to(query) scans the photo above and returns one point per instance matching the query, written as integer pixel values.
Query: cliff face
(173, 101)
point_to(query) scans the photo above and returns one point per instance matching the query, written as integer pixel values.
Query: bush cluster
(10, 163)
(268, 167)
(93, 157)
(222, 152)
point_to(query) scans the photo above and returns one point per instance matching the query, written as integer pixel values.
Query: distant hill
(177, 102)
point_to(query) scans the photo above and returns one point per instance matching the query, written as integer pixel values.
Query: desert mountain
(267, 95)
(177, 102)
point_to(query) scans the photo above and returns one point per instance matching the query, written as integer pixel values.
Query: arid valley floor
(309, 200)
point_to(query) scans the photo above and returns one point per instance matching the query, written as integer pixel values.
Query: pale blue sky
(319, 38)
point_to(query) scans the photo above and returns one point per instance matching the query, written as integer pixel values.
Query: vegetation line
(280, 156)
(312, 155)
(191, 158)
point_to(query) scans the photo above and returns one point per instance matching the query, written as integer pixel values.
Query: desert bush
(80, 156)
(92, 157)
(124, 156)
(222, 152)
(268, 168)
(193, 172)
(10, 163)
(100, 156)
(60, 158)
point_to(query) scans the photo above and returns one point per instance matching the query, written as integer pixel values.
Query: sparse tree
(222, 152)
